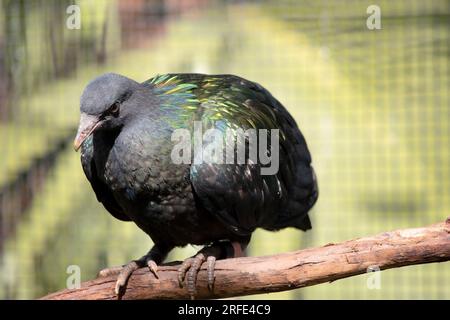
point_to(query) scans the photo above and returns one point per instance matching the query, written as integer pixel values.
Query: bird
(126, 136)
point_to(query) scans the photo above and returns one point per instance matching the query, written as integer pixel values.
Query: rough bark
(287, 271)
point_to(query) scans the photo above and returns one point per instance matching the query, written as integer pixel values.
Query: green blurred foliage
(373, 106)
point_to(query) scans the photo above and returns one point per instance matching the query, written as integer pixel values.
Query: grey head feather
(104, 91)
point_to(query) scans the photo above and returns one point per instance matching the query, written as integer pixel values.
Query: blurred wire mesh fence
(373, 105)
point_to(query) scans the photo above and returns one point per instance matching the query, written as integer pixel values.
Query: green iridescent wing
(178, 102)
(238, 194)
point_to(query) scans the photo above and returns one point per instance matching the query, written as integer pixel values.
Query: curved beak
(88, 124)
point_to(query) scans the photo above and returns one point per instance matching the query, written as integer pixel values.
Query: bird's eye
(114, 109)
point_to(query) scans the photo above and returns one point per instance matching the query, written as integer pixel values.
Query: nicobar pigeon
(126, 135)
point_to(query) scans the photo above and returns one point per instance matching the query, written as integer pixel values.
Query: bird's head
(104, 105)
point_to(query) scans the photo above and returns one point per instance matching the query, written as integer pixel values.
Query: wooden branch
(287, 271)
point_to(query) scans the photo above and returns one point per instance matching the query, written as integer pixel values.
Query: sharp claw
(153, 268)
(192, 274)
(117, 288)
(124, 275)
(120, 284)
(189, 269)
(211, 261)
(125, 272)
(191, 277)
(182, 271)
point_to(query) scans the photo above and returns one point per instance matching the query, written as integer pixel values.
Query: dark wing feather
(239, 195)
(102, 192)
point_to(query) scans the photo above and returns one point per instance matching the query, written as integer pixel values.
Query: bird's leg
(154, 257)
(191, 266)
